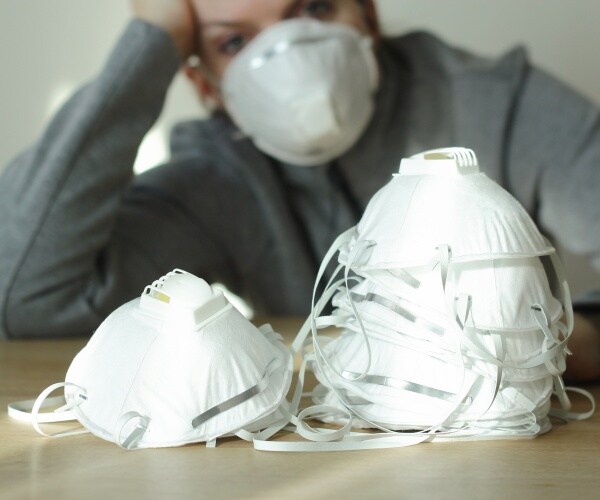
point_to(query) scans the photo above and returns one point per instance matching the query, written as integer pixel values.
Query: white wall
(50, 47)
(561, 36)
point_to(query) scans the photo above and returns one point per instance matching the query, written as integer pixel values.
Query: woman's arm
(60, 200)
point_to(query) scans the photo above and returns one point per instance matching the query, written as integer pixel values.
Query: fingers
(175, 17)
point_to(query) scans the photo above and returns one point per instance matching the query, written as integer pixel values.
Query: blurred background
(52, 47)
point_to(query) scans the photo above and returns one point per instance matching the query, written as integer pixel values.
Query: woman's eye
(318, 8)
(232, 45)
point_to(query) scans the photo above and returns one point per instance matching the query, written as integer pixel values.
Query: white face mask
(435, 200)
(302, 90)
(176, 366)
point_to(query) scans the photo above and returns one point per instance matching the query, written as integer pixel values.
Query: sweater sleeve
(554, 164)
(60, 199)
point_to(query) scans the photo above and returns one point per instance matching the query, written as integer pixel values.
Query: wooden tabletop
(564, 463)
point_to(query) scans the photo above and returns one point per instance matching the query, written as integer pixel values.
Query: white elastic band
(550, 341)
(352, 441)
(21, 410)
(567, 415)
(37, 418)
(134, 437)
(321, 357)
(320, 434)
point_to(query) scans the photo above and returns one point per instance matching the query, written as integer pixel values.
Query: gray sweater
(80, 235)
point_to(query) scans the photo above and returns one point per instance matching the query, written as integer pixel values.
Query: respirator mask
(177, 365)
(302, 90)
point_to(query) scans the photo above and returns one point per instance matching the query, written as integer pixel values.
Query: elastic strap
(134, 436)
(550, 341)
(403, 385)
(567, 415)
(38, 404)
(270, 430)
(352, 442)
(444, 260)
(461, 311)
(396, 306)
(289, 414)
(332, 286)
(405, 276)
(317, 307)
(356, 251)
(319, 434)
(561, 393)
(275, 424)
(21, 410)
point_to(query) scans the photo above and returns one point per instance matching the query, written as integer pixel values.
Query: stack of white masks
(450, 325)
(178, 365)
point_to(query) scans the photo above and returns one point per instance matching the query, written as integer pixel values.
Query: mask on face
(302, 90)
(178, 365)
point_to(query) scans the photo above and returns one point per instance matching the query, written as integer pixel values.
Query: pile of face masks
(450, 326)
(454, 317)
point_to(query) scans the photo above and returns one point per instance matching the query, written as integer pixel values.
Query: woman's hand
(176, 17)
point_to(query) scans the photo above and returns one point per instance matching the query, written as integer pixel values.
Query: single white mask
(303, 90)
(177, 365)
(437, 198)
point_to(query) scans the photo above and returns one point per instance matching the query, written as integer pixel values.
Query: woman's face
(226, 26)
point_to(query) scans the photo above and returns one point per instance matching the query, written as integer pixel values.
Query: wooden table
(562, 464)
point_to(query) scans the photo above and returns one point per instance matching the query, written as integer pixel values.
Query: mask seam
(412, 195)
(498, 301)
(135, 377)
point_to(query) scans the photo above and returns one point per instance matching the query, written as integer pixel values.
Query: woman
(255, 204)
